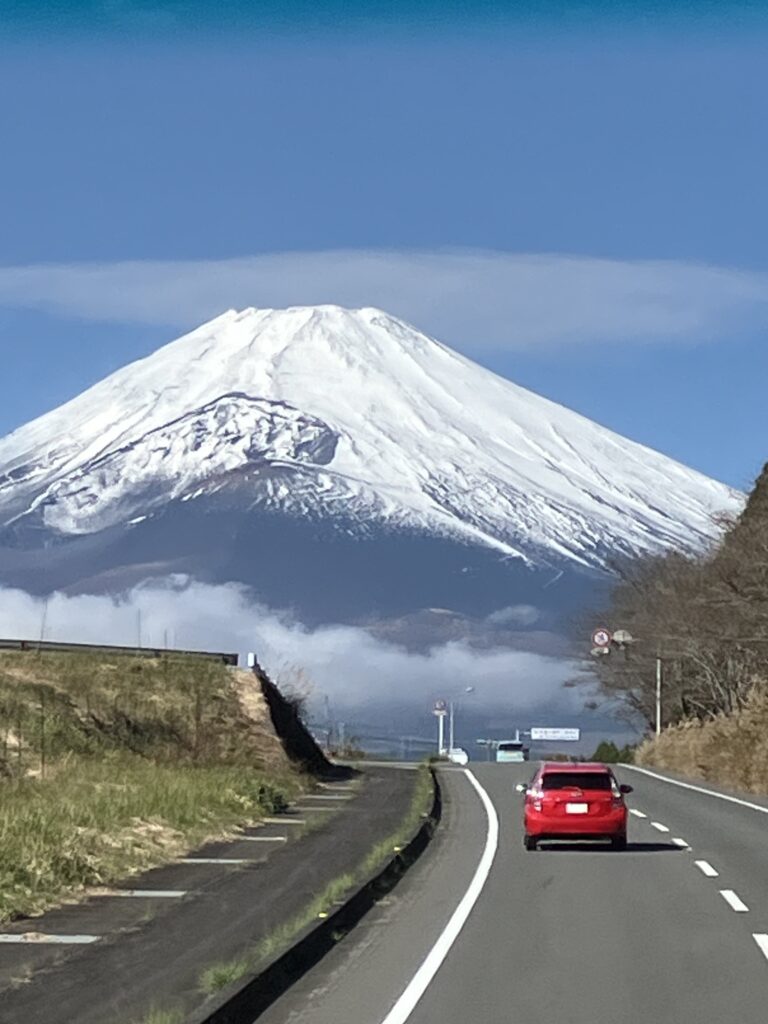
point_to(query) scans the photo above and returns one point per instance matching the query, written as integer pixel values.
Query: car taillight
(537, 805)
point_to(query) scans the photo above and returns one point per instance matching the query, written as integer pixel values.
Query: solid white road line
(682, 843)
(762, 941)
(698, 789)
(214, 860)
(419, 983)
(31, 938)
(283, 821)
(637, 814)
(165, 894)
(706, 868)
(316, 810)
(262, 839)
(733, 901)
(659, 826)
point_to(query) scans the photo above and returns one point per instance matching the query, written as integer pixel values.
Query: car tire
(619, 842)
(529, 842)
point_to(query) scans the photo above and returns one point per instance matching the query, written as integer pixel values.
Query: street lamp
(451, 709)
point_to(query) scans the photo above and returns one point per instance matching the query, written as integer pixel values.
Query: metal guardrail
(139, 652)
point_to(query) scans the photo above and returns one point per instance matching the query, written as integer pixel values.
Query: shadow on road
(556, 846)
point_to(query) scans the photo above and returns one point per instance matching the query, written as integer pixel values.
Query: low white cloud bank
(473, 300)
(514, 615)
(362, 677)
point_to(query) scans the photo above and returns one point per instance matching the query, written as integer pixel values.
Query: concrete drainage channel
(246, 999)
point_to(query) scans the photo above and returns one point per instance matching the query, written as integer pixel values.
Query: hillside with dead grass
(110, 764)
(730, 750)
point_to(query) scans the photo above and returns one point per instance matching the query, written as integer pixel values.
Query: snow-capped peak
(355, 414)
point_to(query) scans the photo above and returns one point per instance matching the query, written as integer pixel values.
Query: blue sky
(598, 181)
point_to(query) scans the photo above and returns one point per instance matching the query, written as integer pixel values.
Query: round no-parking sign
(601, 637)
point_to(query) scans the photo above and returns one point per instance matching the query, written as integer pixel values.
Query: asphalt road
(567, 934)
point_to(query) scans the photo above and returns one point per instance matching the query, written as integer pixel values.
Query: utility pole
(450, 727)
(42, 624)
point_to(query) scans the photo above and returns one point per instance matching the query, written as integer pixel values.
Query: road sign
(623, 636)
(601, 637)
(440, 709)
(555, 734)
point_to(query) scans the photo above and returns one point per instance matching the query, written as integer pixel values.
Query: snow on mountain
(351, 414)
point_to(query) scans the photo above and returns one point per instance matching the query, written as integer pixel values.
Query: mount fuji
(343, 464)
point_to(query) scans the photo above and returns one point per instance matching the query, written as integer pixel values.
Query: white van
(511, 752)
(458, 756)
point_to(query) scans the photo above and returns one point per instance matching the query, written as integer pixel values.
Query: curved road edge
(418, 985)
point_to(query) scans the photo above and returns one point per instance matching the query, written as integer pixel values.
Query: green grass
(113, 764)
(222, 974)
(158, 1016)
(98, 821)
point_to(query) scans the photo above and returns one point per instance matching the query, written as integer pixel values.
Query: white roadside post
(658, 692)
(439, 710)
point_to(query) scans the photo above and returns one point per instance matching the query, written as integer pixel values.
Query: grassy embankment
(730, 750)
(112, 764)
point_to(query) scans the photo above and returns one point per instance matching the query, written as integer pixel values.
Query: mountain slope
(351, 416)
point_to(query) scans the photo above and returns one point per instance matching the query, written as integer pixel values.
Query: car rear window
(579, 780)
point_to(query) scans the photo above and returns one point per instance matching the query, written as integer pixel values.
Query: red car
(575, 801)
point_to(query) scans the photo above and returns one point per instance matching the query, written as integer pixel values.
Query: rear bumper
(576, 826)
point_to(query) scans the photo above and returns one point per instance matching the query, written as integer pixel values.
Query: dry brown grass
(731, 750)
(110, 764)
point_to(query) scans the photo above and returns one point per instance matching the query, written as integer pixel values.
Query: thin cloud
(474, 300)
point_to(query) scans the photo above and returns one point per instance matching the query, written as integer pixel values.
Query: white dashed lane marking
(733, 901)
(659, 826)
(637, 814)
(762, 941)
(681, 843)
(706, 868)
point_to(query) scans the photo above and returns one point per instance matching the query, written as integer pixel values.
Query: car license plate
(576, 808)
